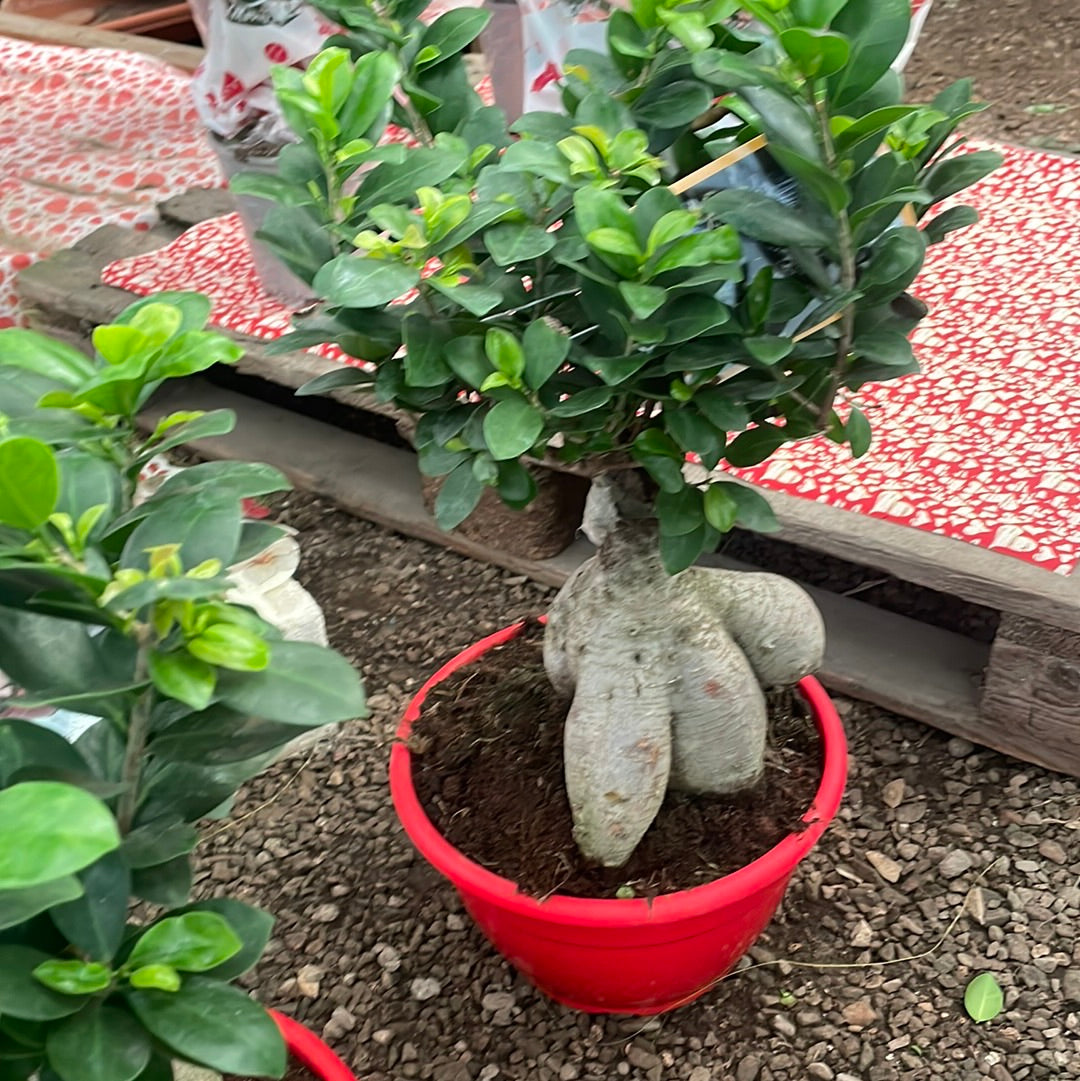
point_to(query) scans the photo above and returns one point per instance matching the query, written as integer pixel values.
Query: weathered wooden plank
(1032, 692)
(920, 671)
(941, 563)
(51, 32)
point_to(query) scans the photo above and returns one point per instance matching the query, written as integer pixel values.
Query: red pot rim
(307, 1049)
(667, 908)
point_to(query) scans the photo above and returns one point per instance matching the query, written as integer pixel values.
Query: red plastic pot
(623, 956)
(307, 1049)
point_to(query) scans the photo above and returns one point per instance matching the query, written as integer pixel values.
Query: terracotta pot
(307, 1049)
(623, 956)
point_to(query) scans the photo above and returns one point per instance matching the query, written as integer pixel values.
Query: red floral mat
(89, 137)
(983, 446)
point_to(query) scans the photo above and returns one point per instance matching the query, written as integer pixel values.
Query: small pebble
(424, 988)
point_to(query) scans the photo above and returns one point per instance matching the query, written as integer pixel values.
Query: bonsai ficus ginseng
(121, 610)
(566, 305)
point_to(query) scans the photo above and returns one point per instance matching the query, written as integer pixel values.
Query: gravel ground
(373, 949)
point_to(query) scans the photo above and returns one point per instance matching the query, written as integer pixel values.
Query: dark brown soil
(1024, 58)
(488, 754)
(295, 1073)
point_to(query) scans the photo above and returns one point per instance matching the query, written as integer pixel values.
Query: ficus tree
(120, 610)
(587, 289)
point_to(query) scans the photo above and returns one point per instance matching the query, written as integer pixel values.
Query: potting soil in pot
(488, 769)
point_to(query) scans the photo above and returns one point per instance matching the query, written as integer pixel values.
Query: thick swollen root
(666, 676)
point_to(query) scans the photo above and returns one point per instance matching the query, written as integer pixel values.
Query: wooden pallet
(1021, 695)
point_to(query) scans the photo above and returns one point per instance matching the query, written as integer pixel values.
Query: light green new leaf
(192, 942)
(29, 482)
(983, 998)
(49, 830)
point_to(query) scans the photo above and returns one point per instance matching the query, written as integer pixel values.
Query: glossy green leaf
(17, 906)
(584, 401)
(167, 883)
(215, 422)
(458, 496)
(214, 1025)
(506, 354)
(184, 677)
(956, 217)
(757, 216)
(692, 431)
(191, 942)
(546, 349)
(677, 552)
(512, 427)
(769, 349)
(671, 105)
(252, 926)
(359, 281)
(206, 526)
(642, 300)
(73, 977)
(29, 482)
(877, 30)
(721, 510)
(755, 445)
(94, 922)
(242, 480)
(25, 997)
(754, 511)
(303, 684)
(815, 53)
(105, 1044)
(451, 32)
(34, 352)
(156, 977)
(50, 830)
(983, 998)
(227, 645)
(157, 842)
(425, 344)
(335, 380)
(477, 299)
(955, 174)
(23, 744)
(517, 242)
(857, 432)
(680, 512)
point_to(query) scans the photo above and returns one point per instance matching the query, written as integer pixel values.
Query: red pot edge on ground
(307, 1049)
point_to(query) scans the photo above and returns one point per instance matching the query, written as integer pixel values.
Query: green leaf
(896, 261)
(584, 401)
(671, 105)
(761, 218)
(49, 830)
(156, 978)
(680, 512)
(517, 242)
(242, 480)
(181, 676)
(815, 53)
(872, 123)
(362, 281)
(374, 78)
(642, 300)
(468, 361)
(216, 422)
(339, 377)
(693, 431)
(191, 942)
(18, 906)
(219, 736)
(158, 842)
(458, 496)
(23, 996)
(956, 217)
(511, 427)
(983, 998)
(393, 183)
(23, 744)
(721, 510)
(167, 883)
(884, 346)
(105, 1044)
(613, 242)
(94, 923)
(677, 552)
(546, 350)
(29, 482)
(74, 977)
(214, 1025)
(955, 174)
(476, 299)
(303, 684)
(425, 344)
(754, 510)
(194, 309)
(755, 445)
(227, 645)
(769, 349)
(857, 433)
(250, 924)
(87, 481)
(452, 32)
(505, 352)
(693, 316)
(34, 352)
(877, 30)
(206, 526)
(515, 484)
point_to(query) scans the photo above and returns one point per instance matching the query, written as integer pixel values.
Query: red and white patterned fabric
(983, 446)
(89, 137)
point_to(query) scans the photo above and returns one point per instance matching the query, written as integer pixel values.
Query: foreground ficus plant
(120, 611)
(563, 304)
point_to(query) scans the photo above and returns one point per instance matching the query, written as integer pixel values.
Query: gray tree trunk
(666, 674)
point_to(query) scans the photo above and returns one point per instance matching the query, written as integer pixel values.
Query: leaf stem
(137, 734)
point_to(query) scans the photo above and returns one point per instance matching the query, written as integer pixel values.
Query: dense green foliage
(118, 610)
(576, 308)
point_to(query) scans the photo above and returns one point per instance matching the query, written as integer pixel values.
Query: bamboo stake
(721, 163)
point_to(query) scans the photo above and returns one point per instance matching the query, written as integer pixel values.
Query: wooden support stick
(721, 163)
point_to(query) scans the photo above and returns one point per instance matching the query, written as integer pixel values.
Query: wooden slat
(923, 672)
(48, 32)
